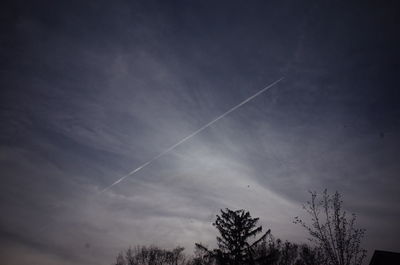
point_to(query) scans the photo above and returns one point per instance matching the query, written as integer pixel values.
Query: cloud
(91, 92)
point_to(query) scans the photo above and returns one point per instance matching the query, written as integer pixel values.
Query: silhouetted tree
(332, 231)
(288, 254)
(276, 252)
(310, 255)
(142, 255)
(202, 256)
(236, 228)
(120, 259)
(267, 252)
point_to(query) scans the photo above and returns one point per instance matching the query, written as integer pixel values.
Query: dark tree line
(241, 241)
(142, 255)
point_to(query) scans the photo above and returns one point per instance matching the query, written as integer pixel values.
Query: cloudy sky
(90, 90)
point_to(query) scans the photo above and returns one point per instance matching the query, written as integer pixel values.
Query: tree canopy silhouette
(142, 255)
(332, 231)
(236, 229)
(241, 241)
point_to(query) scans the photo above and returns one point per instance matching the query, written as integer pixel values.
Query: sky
(90, 90)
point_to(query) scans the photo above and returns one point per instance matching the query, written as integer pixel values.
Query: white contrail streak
(192, 134)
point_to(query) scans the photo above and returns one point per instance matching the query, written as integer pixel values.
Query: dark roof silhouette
(381, 257)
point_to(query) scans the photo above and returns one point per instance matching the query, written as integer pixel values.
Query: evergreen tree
(236, 229)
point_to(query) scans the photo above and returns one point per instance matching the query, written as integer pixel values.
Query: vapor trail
(192, 134)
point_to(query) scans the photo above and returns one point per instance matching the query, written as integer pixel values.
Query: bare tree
(333, 232)
(142, 255)
(120, 260)
(309, 255)
(288, 255)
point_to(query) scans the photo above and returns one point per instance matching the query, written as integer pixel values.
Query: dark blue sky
(90, 91)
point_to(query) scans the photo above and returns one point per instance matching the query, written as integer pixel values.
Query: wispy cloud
(91, 92)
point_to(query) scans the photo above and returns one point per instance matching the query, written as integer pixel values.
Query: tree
(120, 260)
(275, 252)
(236, 228)
(288, 254)
(332, 231)
(310, 255)
(142, 255)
